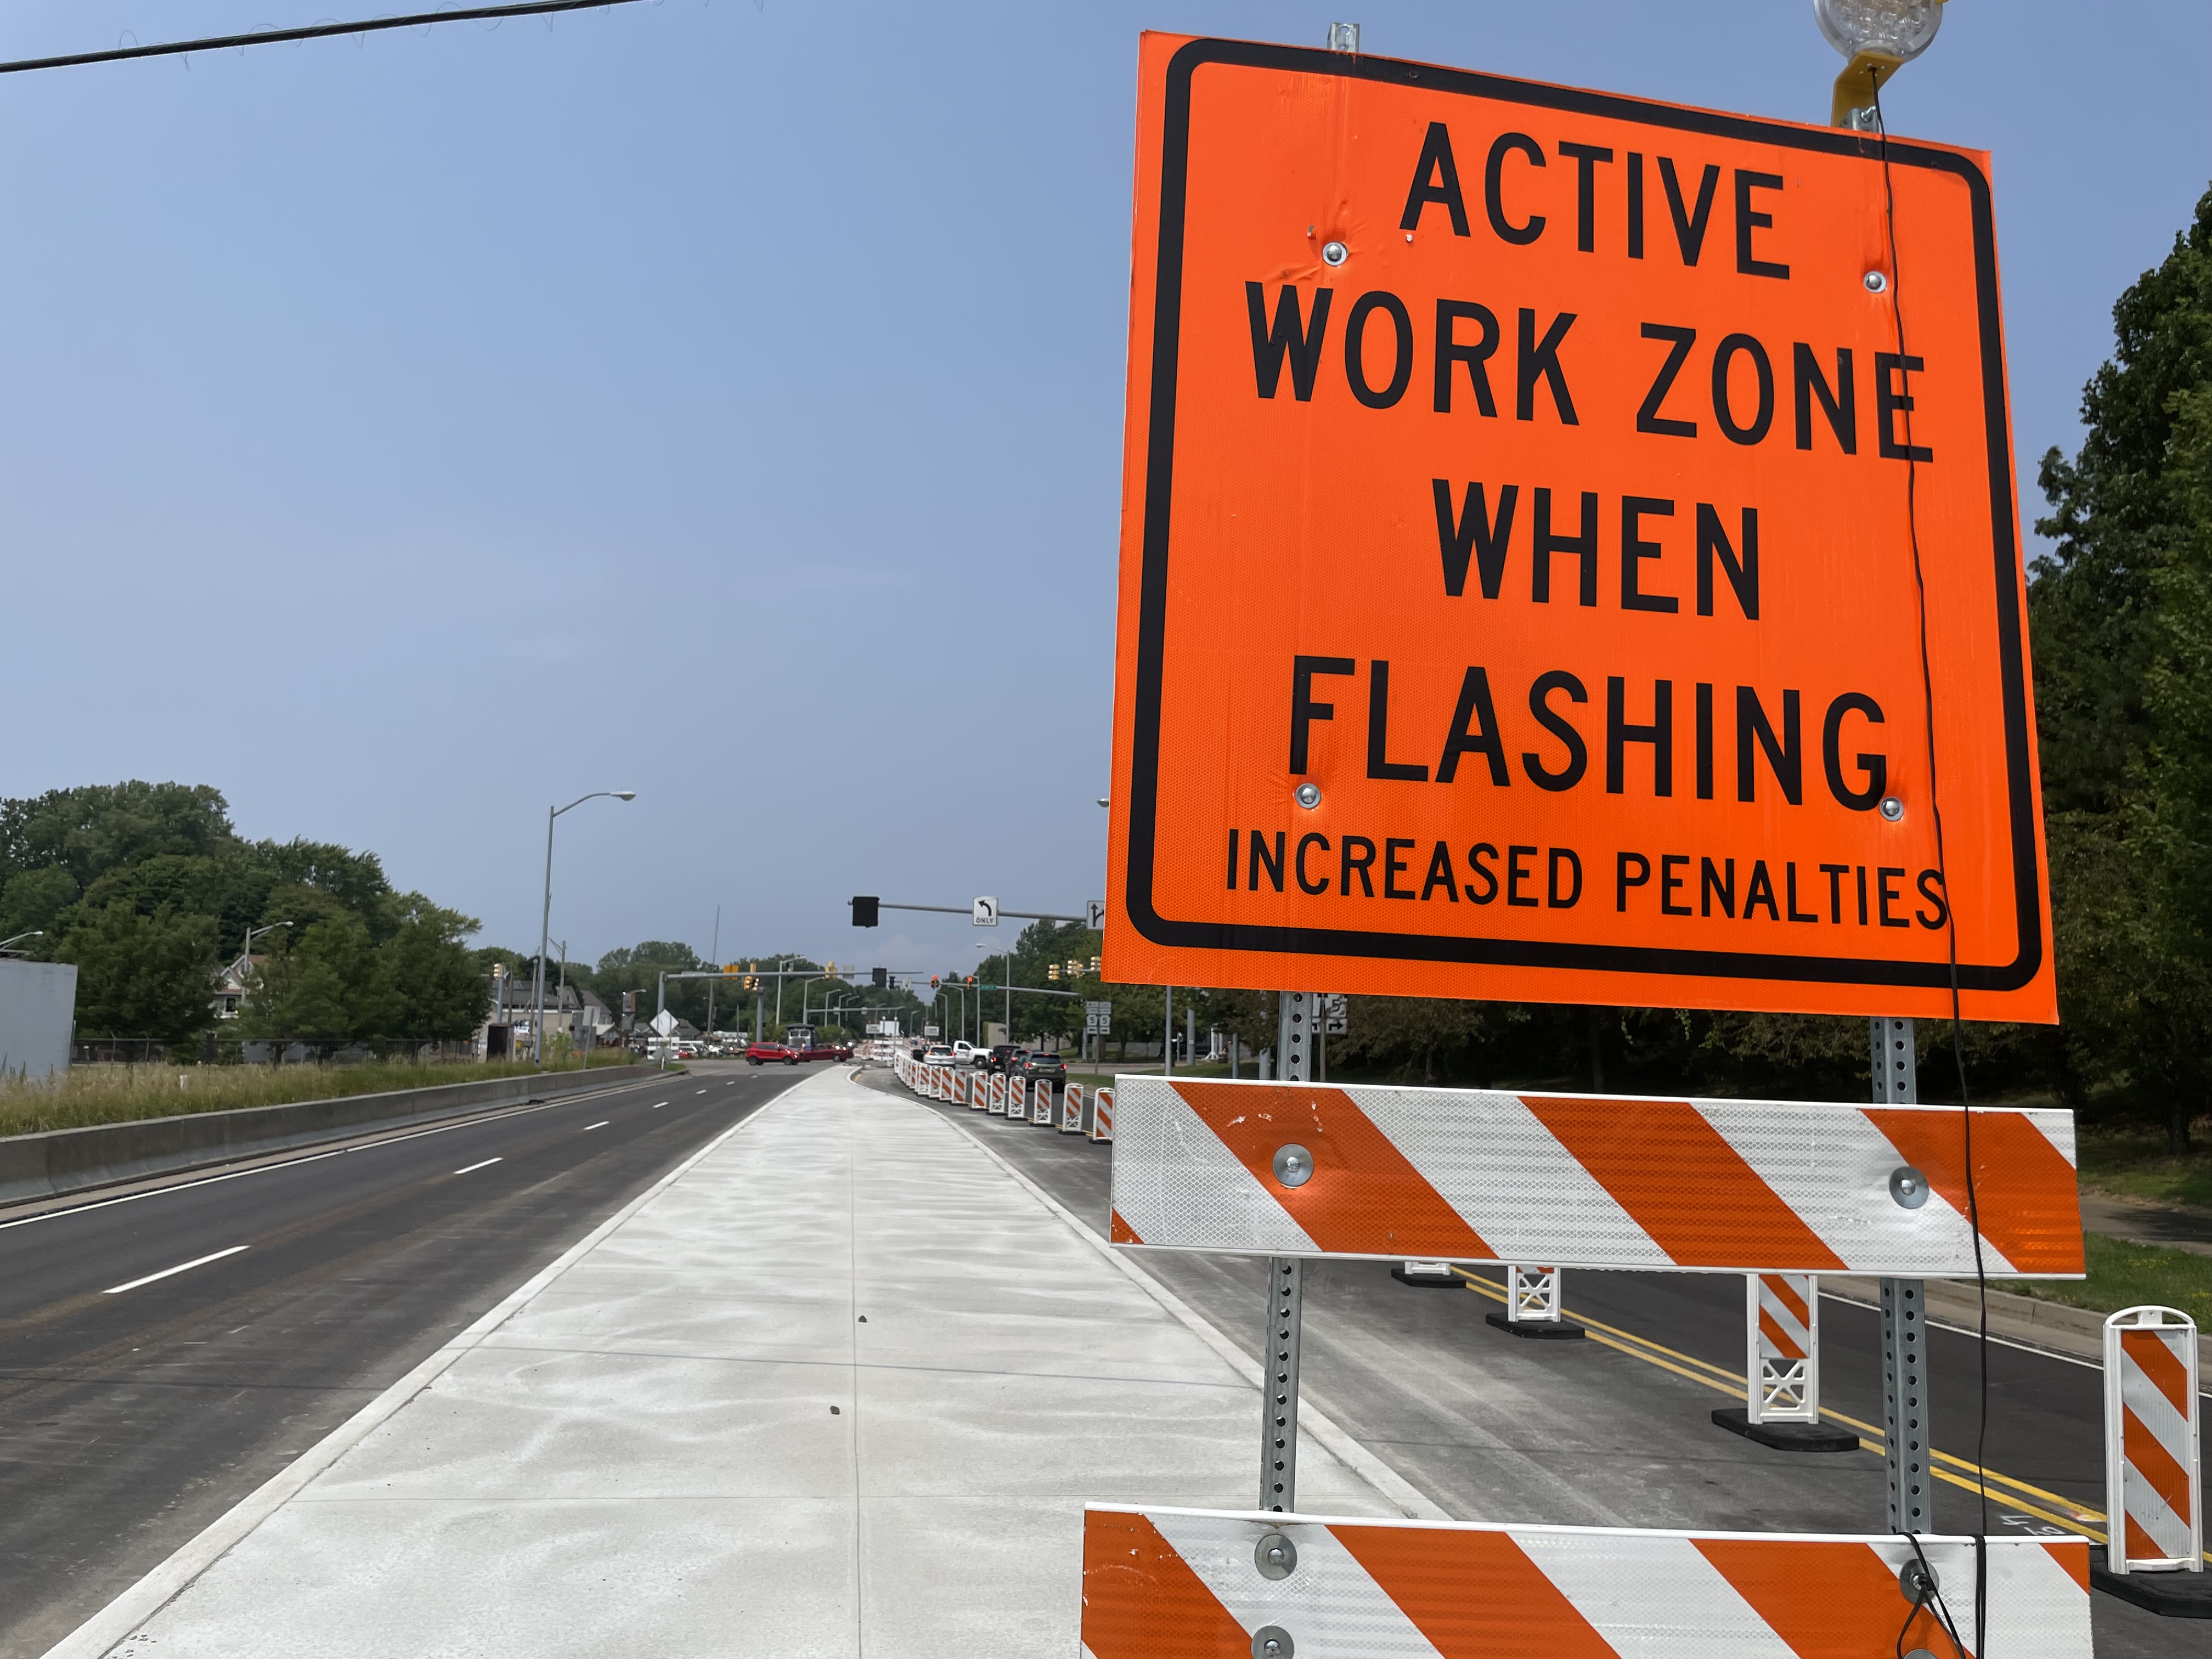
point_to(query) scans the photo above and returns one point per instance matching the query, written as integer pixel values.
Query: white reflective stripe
(2167, 1530)
(1508, 1177)
(2058, 1128)
(1833, 1169)
(2036, 1606)
(1652, 1597)
(1328, 1606)
(1173, 1175)
(1771, 1303)
(2152, 1408)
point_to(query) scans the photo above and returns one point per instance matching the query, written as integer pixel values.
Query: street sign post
(1097, 1019)
(664, 1023)
(1592, 482)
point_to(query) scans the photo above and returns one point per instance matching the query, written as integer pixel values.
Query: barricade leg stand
(1278, 1414)
(1532, 1305)
(1426, 1275)
(1905, 1392)
(2153, 1466)
(1782, 1373)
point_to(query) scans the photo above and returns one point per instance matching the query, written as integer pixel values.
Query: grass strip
(92, 1094)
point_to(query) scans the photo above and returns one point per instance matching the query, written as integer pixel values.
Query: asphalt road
(163, 1354)
(1617, 1430)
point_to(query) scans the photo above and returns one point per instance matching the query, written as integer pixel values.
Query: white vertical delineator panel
(1071, 1109)
(1782, 1312)
(2153, 1451)
(1101, 1115)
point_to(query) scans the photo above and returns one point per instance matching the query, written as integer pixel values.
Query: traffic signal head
(1052, 972)
(932, 981)
(1096, 964)
(878, 978)
(864, 910)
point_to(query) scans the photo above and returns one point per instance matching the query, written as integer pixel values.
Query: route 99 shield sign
(1540, 510)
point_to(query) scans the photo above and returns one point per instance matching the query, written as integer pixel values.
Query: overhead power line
(311, 32)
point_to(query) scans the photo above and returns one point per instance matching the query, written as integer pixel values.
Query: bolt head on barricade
(1200, 1584)
(2154, 1463)
(1610, 1181)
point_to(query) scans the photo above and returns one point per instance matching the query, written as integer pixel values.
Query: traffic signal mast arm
(866, 906)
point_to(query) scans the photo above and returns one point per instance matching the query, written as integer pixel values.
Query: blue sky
(723, 401)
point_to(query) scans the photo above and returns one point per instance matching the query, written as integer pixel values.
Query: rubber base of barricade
(2171, 1594)
(1786, 1437)
(1538, 1330)
(1427, 1281)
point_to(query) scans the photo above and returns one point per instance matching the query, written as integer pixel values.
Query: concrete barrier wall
(56, 1162)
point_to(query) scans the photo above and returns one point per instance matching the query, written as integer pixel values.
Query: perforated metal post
(1278, 1394)
(1298, 1026)
(1904, 1400)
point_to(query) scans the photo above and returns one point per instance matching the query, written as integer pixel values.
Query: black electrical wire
(310, 32)
(1941, 1608)
(1950, 908)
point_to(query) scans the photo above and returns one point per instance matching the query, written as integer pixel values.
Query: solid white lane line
(601, 1124)
(182, 1266)
(486, 1164)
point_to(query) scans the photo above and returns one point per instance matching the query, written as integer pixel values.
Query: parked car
(770, 1054)
(1050, 1068)
(686, 1051)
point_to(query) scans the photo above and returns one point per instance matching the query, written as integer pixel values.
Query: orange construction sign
(1541, 509)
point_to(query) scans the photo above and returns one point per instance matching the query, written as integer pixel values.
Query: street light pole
(545, 917)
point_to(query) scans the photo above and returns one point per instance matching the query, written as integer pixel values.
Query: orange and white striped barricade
(997, 1106)
(1594, 1181)
(1041, 1103)
(1101, 1115)
(945, 1084)
(1211, 1584)
(1533, 1304)
(959, 1079)
(1782, 1368)
(1071, 1109)
(2154, 1462)
(1291, 1171)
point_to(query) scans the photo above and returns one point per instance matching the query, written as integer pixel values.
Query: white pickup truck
(967, 1054)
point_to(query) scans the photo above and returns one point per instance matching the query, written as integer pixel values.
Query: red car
(824, 1051)
(770, 1054)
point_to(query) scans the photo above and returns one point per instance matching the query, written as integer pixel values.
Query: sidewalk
(839, 1386)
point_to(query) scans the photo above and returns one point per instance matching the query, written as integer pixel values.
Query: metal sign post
(1906, 1439)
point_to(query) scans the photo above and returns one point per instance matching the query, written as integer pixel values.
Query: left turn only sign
(985, 913)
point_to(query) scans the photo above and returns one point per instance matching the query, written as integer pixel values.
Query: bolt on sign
(1519, 589)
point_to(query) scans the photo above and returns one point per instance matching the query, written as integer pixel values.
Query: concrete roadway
(1617, 1431)
(134, 1413)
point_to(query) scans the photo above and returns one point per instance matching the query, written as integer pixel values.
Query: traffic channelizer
(1588, 525)
(1593, 1180)
(1206, 1585)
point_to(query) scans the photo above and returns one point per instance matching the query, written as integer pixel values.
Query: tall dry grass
(125, 1094)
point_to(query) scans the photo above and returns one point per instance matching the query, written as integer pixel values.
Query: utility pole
(714, 950)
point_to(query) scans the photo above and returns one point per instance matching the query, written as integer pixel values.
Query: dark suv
(1002, 1055)
(1044, 1068)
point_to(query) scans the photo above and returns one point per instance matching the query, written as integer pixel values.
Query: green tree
(91, 831)
(429, 977)
(2122, 630)
(326, 981)
(141, 975)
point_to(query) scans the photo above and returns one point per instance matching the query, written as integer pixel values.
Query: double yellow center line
(2018, 1495)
